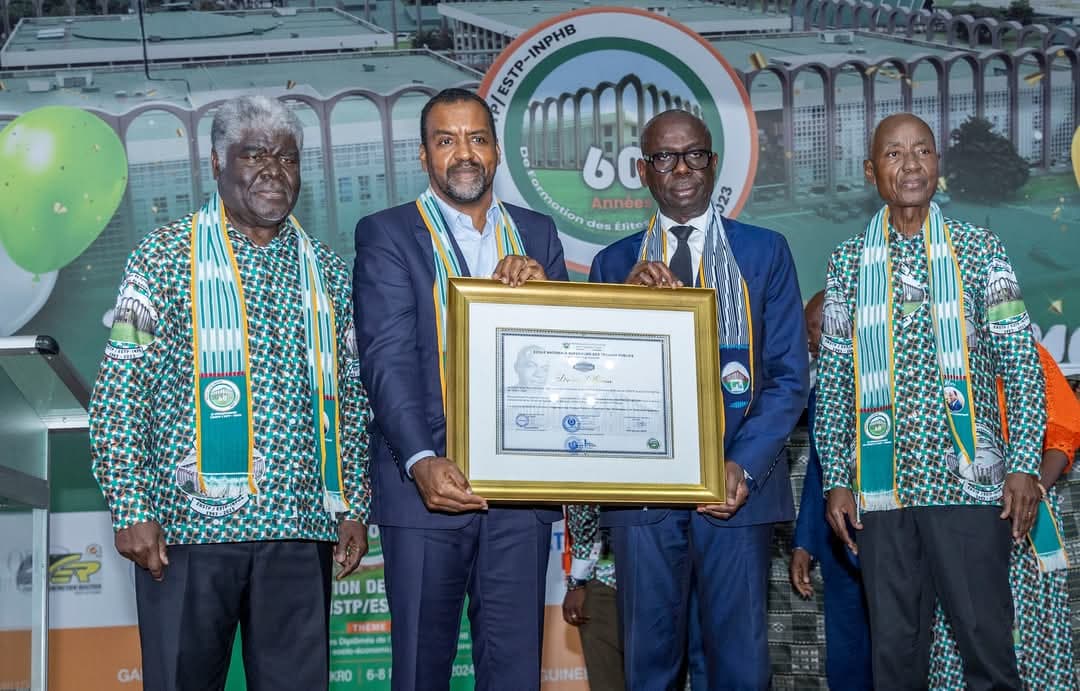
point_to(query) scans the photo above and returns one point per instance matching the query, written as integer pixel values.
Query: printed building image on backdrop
(791, 91)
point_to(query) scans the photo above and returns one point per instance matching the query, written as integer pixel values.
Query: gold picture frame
(662, 437)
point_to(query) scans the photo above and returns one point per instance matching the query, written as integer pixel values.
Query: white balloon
(24, 293)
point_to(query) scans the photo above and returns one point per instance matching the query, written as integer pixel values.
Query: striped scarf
(875, 388)
(717, 270)
(224, 423)
(507, 238)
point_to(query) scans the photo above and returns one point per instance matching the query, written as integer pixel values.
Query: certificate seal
(578, 444)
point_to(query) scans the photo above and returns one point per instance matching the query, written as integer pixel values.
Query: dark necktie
(680, 261)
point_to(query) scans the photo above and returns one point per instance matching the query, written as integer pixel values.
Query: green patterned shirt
(1000, 343)
(142, 412)
(592, 557)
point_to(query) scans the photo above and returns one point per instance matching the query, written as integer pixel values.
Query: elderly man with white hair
(228, 423)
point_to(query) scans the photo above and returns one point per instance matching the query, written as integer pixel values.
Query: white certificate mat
(599, 390)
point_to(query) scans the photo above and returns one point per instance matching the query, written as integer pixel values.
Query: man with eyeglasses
(721, 549)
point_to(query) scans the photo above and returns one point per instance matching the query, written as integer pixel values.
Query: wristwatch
(574, 583)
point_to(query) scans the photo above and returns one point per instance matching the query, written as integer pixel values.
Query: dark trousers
(499, 559)
(277, 591)
(600, 639)
(847, 627)
(657, 565)
(958, 555)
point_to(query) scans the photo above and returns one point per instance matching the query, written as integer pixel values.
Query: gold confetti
(59, 208)
(3, 87)
(758, 61)
(788, 154)
(180, 132)
(153, 209)
(1057, 213)
(942, 184)
(1061, 53)
(1061, 200)
(290, 84)
(1033, 78)
(870, 70)
(1055, 306)
(151, 93)
(96, 147)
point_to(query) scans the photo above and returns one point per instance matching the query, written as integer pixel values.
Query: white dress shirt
(696, 241)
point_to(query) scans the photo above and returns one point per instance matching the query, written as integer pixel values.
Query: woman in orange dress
(1042, 633)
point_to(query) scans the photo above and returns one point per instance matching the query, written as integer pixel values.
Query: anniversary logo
(570, 97)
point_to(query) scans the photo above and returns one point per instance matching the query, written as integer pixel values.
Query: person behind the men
(1038, 570)
(847, 630)
(227, 423)
(589, 604)
(440, 540)
(720, 550)
(935, 482)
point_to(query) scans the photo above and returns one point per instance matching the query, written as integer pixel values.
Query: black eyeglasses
(666, 161)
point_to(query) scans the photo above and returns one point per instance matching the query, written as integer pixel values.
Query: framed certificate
(584, 393)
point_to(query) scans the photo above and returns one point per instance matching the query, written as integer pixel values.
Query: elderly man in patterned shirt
(228, 423)
(921, 314)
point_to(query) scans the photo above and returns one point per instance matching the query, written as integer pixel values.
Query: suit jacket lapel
(423, 238)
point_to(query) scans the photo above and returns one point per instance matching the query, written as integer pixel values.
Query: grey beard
(466, 193)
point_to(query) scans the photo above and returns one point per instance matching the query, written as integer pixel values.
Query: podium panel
(39, 392)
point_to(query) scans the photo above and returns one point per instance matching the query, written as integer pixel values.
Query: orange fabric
(1062, 409)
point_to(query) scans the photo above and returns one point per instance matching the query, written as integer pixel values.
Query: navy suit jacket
(811, 528)
(755, 439)
(395, 328)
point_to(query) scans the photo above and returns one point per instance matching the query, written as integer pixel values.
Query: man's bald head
(673, 118)
(903, 165)
(681, 192)
(889, 125)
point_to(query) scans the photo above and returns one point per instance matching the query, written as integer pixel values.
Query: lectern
(40, 392)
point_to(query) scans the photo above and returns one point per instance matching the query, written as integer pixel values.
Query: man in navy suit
(847, 627)
(721, 549)
(440, 541)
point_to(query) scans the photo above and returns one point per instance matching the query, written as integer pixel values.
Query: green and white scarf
(874, 361)
(719, 270)
(507, 239)
(1045, 540)
(224, 423)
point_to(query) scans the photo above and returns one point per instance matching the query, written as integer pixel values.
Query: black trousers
(959, 555)
(278, 592)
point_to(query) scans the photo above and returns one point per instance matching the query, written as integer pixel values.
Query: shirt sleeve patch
(836, 323)
(1005, 309)
(352, 355)
(134, 320)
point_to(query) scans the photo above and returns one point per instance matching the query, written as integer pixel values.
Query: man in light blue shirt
(441, 541)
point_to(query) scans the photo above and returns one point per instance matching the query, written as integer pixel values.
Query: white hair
(235, 116)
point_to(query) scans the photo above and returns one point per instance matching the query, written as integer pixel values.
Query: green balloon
(62, 174)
